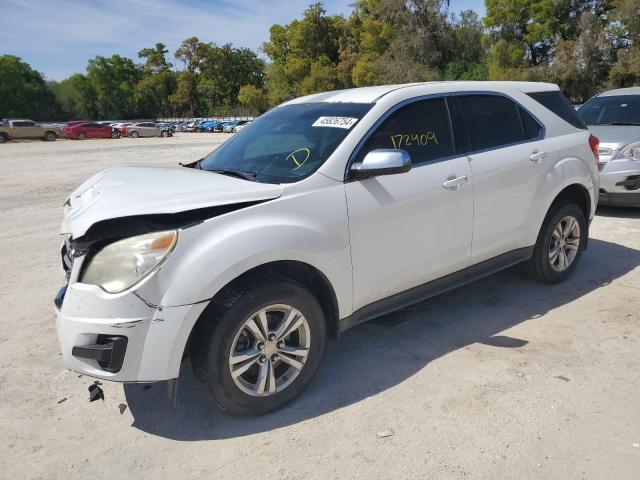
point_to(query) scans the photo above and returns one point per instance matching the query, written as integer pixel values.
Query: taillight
(594, 143)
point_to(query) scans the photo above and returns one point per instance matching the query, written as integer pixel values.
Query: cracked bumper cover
(155, 339)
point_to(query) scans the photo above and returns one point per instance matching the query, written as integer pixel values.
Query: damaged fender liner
(102, 233)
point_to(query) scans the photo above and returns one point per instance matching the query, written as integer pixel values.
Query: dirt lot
(501, 379)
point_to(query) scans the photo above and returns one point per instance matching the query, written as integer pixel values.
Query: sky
(59, 41)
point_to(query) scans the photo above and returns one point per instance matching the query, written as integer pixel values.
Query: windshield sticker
(299, 157)
(335, 122)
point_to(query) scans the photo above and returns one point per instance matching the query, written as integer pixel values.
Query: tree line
(582, 45)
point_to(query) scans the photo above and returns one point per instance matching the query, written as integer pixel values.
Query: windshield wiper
(245, 175)
(632, 124)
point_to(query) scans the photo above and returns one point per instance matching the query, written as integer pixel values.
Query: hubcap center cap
(270, 348)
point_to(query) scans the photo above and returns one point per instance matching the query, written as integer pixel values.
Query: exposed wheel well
(579, 195)
(310, 277)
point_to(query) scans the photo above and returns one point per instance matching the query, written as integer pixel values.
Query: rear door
(509, 157)
(408, 229)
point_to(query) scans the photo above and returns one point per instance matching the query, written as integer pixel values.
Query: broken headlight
(124, 263)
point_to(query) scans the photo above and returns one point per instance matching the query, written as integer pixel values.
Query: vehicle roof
(621, 91)
(372, 94)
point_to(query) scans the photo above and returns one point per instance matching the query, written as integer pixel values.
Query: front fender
(310, 227)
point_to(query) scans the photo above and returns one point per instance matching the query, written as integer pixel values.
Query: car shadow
(618, 212)
(377, 355)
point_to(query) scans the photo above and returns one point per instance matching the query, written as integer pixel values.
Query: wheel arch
(300, 272)
(579, 194)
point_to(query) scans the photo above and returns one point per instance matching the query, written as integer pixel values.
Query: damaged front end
(110, 320)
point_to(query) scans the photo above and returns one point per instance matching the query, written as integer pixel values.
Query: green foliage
(114, 81)
(253, 98)
(23, 91)
(582, 45)
(304, 55)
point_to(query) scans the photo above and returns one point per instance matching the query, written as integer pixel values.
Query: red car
(82, 131)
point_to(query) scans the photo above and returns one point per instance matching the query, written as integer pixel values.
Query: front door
(411, 228)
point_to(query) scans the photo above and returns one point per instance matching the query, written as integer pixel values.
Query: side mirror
(382, 161)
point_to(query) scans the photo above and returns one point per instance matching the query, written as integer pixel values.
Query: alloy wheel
(564, 245)
(270, 350)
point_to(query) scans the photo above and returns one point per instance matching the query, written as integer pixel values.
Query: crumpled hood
(615, 136)
(132, 190)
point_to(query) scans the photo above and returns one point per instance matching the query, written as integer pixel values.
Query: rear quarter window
(558, 104)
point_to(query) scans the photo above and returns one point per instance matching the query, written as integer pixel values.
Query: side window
(493, 121)
(531, 127)
(421, 128)
(24, 124)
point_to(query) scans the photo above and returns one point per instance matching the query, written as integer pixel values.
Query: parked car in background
(331, 210)
(229, 126)
(208, 126)
(83, 131)
(240, 125)
(15, 129)
(145, 129)
(220, 127)
(193, 126)
(614, 117)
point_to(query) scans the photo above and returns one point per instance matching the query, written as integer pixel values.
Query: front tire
(49, 137)
(560, 243)
(4, 138)
(82, 136)
(260, 346)
(134, 134)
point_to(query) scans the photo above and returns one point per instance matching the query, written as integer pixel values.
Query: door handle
(537, 157)
(454, 183)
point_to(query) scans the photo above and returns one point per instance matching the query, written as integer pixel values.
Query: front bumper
(628, 199)
(141, 339)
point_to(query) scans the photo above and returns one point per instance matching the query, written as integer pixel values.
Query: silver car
(146, 129)
(614, 117)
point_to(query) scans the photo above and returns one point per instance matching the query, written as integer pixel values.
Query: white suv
(327, 211)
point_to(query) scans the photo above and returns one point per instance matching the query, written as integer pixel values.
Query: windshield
(614, 110)
(287, 143)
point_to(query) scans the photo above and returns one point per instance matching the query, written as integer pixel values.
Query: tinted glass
(558, 104)
(493, 121)
(421, 128)
(532, 128)
(287, 143)
(613, 110)
(24, 124)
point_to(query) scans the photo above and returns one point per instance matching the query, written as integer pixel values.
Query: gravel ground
(504, 378)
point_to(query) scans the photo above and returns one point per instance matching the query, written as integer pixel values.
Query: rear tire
(49, 137)
(115, 134)
(163, 133)
(82, 136)
(4, 138)
(560, 243)
(225, 333)
(134, 134)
